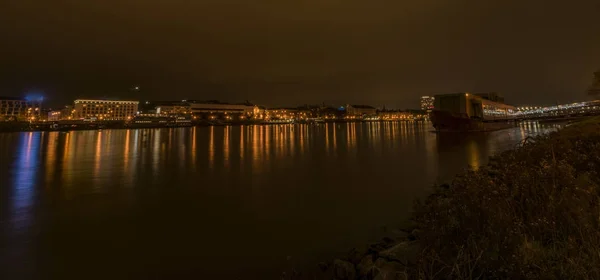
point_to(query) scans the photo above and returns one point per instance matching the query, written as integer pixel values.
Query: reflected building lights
(68, 156)
(126, 149)
(136, 140)
(404, 132)
(267, 144)
(24, 182)
(156, 151)
(97, 155)
(473, 151)
(302, 140)
(130, 157)
(51, 156)
(211, 147)
(327, 138)
(182, 146)
(242, 140)
(292, 139)
(194, 155)
(256, 145)
(393, 133)
(282, 135)
(351, 133)
(334, 136)
(226, 132)
(276, 135)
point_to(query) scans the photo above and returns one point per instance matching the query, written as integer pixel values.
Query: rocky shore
(389, 259)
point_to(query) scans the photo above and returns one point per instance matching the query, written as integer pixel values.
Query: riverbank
(532, 212)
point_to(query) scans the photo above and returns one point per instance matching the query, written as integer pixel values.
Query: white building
(105, 109)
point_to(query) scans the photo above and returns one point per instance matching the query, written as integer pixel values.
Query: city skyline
(284, 54)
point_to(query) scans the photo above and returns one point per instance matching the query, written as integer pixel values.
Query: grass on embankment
(533, 212)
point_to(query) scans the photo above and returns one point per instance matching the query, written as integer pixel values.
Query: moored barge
(465, 112)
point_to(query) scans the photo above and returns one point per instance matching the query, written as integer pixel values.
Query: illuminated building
(21, 109)
(59, 115)
(105, 109)
(216, 107)
(397, 115)
(55, 115)
(360, 110)
(393, 115)
(427, 103)
(173, 110)
(209, 110)
(215, 110)
(284, 114)
(165, 108)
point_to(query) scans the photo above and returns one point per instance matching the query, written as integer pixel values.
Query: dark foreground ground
(531, 213)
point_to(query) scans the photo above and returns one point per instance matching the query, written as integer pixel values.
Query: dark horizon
(287, 54)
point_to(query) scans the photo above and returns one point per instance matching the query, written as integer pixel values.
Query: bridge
(559, 112)
(565, 111)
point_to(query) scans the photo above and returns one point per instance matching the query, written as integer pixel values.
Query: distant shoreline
(7, 127)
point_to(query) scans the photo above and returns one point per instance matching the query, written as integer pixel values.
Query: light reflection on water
(24, 182)
(205, 198)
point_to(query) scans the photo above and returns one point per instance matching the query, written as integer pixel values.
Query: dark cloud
(301, 51)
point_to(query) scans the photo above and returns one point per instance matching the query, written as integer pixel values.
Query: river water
(232, 202)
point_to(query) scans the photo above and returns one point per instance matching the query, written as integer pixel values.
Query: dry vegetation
(533, 212)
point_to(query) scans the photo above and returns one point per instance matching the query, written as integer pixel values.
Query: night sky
(292, 52)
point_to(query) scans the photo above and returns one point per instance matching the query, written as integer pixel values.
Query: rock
(408, 226)
(323, 266)
(343, 270)
(389, 270)
(354, 256)
(414, 234)
(325, 271)
(404, 253)
(366, 268)
(399, 235)
(387, 241)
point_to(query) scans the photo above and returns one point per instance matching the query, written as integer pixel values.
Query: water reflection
(226, 144)
(24, 181)
(51, 155)
(242, 140)
(287, 181)
(97, 154)
(211, 147)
